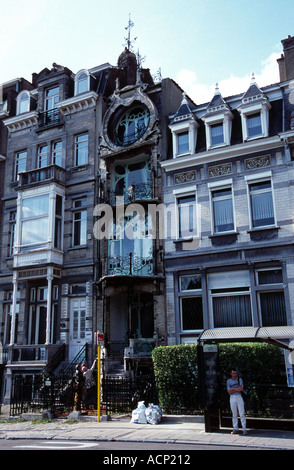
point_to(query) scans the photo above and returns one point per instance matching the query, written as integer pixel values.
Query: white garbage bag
(139, 414)
(153, 414)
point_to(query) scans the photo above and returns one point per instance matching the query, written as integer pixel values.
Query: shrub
(176, 372)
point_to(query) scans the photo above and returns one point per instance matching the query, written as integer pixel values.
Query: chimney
(286, 61)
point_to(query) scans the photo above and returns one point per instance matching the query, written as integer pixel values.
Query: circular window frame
(128, 124)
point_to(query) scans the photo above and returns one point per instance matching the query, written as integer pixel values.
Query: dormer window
(184, 130)
(254, 111)
(23, 102)
(82, 82)
(218, 122)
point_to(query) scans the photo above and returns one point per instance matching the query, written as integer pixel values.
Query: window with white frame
(222, 209)
(7, 309)
(34, 228)
(23, 102)
(81, 149)
(218, 127)
(79, 222)
(82, 82)
(12, 225)
(261, 203)
(255, 119)
(184, 135)
(43, 156)
(57, 154)
(20, 164)
(40, 221)
(38, 314)
(230, 299)
(217, 134)
(186, 205)
(271, 297)
(183, 142)
(191, 311)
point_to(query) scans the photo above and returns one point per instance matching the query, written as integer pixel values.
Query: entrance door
(77, 326)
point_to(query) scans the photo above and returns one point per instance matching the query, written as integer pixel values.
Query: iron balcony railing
(49, 118)
(136, 192)
(129, 265)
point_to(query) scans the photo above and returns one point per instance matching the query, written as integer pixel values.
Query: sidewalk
(172, 429)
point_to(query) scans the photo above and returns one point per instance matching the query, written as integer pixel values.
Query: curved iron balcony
(136, 192)
(129, 265)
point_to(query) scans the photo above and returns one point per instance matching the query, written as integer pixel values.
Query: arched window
(23, 102)
(82, 83)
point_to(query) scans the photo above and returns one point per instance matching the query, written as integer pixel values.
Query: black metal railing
(129, 265)
(45, 390)
(136, 192)
(49, 118)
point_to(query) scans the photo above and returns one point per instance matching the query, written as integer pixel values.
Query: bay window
(39, 221)
(34, 222)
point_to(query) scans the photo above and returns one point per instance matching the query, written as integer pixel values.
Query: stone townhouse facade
(130, 210)
(229, 193)
(75, 143)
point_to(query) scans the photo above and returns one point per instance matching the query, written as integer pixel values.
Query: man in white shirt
(234, 389)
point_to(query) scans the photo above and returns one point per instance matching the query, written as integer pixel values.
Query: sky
(197, 43)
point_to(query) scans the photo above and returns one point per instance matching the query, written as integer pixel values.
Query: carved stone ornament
(220, 170)
(185, 177)
(257, 162)
(120, 102)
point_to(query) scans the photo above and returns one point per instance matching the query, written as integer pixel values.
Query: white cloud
(201, 93)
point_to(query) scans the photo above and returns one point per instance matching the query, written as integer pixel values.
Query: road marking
(58, 445)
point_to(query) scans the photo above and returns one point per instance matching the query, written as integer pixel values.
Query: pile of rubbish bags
(150, 415)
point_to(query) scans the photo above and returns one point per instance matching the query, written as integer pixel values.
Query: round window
(130, 126)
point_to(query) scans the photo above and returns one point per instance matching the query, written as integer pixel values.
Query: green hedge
(176, 374)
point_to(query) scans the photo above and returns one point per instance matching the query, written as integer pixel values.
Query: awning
(277, 335)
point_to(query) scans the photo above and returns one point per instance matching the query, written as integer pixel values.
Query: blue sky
(195, 42)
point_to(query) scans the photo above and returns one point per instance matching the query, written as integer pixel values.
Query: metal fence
(121, 394)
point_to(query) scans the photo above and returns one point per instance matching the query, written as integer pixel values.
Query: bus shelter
(208, 361)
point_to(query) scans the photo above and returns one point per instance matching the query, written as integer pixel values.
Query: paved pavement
(171, 429)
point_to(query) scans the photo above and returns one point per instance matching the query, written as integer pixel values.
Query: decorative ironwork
(136, 192)
(49, 118)
(130, 265)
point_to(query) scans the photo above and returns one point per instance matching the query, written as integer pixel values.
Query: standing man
(234, 389)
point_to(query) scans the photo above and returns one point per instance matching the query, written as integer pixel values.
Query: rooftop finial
(128, 39)
(252, 78)
(216, 91)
